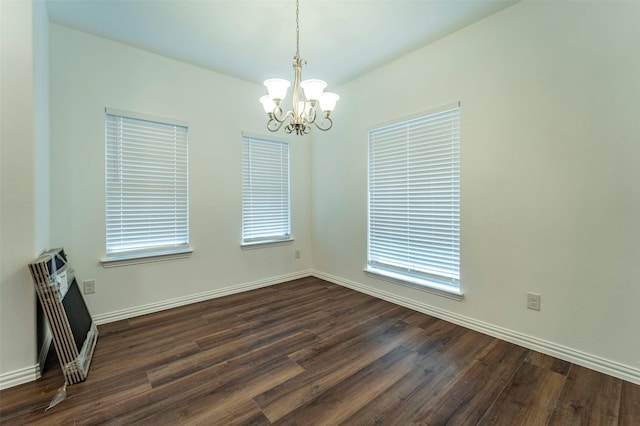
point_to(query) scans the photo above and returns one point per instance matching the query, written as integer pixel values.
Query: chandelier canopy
(309, 106)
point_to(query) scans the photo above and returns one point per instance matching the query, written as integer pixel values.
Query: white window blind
(414, 199)
(147, 197)
(265, 190)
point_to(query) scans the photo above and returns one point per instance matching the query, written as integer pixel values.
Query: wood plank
(550, 363)
(419, 394)
(467, 401)
(72, 409)
(328, 365)
(243, 349)
(348, 311)
(223, 400)
(359, 334)
(528, 399)
(129, 342)
(244, 412)
(330, 407)
(261, 305)
(589, 398)
(214, 383)
(134, 362)
(418, 319)
(629, 405)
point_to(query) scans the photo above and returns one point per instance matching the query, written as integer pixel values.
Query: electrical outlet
(533, 301)
(297, 254)
(89, 286)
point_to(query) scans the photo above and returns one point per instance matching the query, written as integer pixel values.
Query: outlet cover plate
(533, 301)
(89, 286)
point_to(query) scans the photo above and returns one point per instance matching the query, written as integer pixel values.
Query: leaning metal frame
(74, 363)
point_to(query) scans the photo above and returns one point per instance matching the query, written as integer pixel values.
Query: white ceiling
(255, 39)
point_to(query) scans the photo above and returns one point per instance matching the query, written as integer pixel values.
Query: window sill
(266, 243)
(417, 283)
(139, 258)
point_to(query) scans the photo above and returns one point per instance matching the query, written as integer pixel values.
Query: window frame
(179, 246)
(418, 275)
(253, 239)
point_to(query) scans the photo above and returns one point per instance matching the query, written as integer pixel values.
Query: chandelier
(312, 106)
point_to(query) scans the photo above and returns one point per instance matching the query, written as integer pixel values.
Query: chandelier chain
(297, 29)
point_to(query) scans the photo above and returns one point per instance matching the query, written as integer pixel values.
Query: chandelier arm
(324, 120)
(311, 117)
(289, 128)
(274, 125)
(299, 128)
(277, 114)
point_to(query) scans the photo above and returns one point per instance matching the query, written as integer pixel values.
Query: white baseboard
(31, 373)
(18, 377)
(575, 356)
(194, 298)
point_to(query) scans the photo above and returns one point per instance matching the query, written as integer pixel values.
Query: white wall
(42, 200)
(42, 128)
(550, 175)
(24, 214)
(89, 73)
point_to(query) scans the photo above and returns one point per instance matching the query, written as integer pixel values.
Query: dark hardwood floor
(309, 352)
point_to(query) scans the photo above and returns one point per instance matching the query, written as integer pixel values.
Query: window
(265, 190)
(147, 197)
(414, 201)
